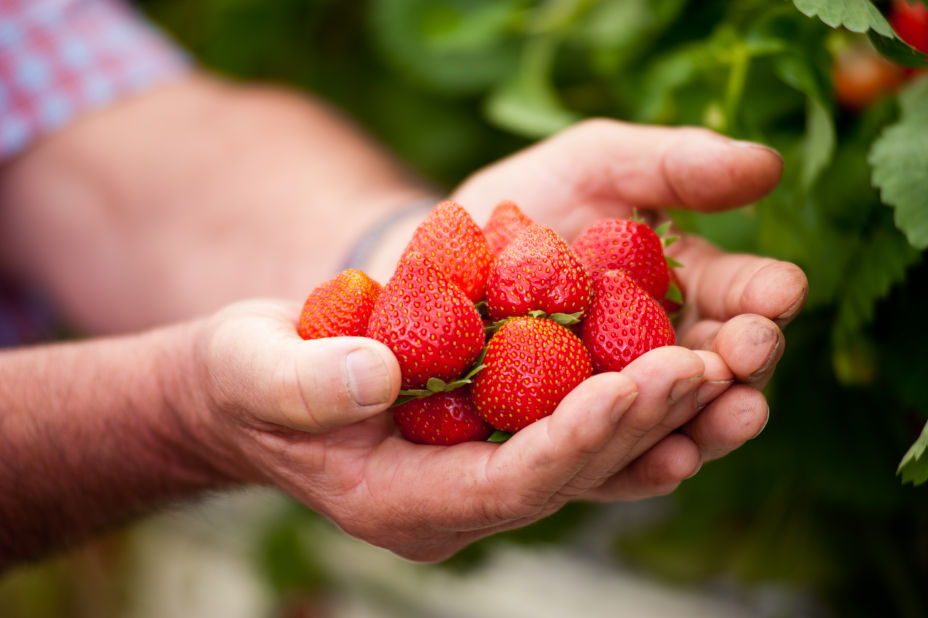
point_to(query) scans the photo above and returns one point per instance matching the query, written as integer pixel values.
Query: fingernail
(710, 390)
(621, 405)
(790, 313)
(683, 388)
(695, 472)
(770, 360)
(764, 426)
(367, 377)
(737, 143)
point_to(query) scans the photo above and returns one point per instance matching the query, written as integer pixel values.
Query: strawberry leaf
(672, 263)
(898, 158)
(855, 15)
(864, 16)
(914, 466)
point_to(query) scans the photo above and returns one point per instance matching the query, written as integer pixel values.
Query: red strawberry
(624, 322)
(537, 271)
(531, 364)
(452, 240)
(631, 245)
(504, 224)
(339, 307)
(443, 418)
(428, 322)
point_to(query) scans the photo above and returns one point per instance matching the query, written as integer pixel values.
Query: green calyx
(437, 385)
(564, 319)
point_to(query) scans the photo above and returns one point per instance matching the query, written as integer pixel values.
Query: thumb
(258, 365)
(327, 383)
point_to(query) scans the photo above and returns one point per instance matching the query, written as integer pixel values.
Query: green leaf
(674, 293)
(499, 436)
(914, 467)
(898, 51)
(878, 264)
(818, 142)
(855, 15)
(862, 16)
(527, 104)
(452, 46)
(900, 171)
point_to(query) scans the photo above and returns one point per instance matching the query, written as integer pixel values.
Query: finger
(723, 285)
(738, 415)
(667, 380)
(751, 345)
(608, 165)
(539, 464)
(715, 379)
(658, 472)
(261, 365)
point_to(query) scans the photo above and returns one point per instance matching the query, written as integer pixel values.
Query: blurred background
(811, 518)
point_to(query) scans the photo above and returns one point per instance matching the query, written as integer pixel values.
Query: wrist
(379, 247)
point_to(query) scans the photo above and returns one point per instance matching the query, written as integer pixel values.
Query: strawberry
(339, 307)
(624, 322)
(537, 271)
(454, 243)
(530, 365)
(443, 418)
(631, 245)
(428, 322)
(504, 224)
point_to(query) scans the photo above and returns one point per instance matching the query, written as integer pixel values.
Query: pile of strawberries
(493, 326)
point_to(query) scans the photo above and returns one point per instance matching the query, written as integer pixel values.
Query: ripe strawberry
(504, 224)
(624, 322)
(443, 418)
(631, 245)
(531, 364)
(428, 322)
(339, 307)
(454, 243)
(537, 271)
(910, 21)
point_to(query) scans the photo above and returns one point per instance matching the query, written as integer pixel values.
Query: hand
(305, 417)
(737, 303)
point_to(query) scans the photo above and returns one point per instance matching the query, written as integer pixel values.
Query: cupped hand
(309, 417)
(736, 303)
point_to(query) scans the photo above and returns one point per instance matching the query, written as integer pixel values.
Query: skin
(147, 223)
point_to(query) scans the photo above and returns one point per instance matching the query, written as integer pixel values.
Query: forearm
(194, 195)
(91, 435)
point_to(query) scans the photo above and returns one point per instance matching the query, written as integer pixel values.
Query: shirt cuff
(59, 58)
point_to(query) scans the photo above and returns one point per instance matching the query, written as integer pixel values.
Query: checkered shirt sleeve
(59, 58)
